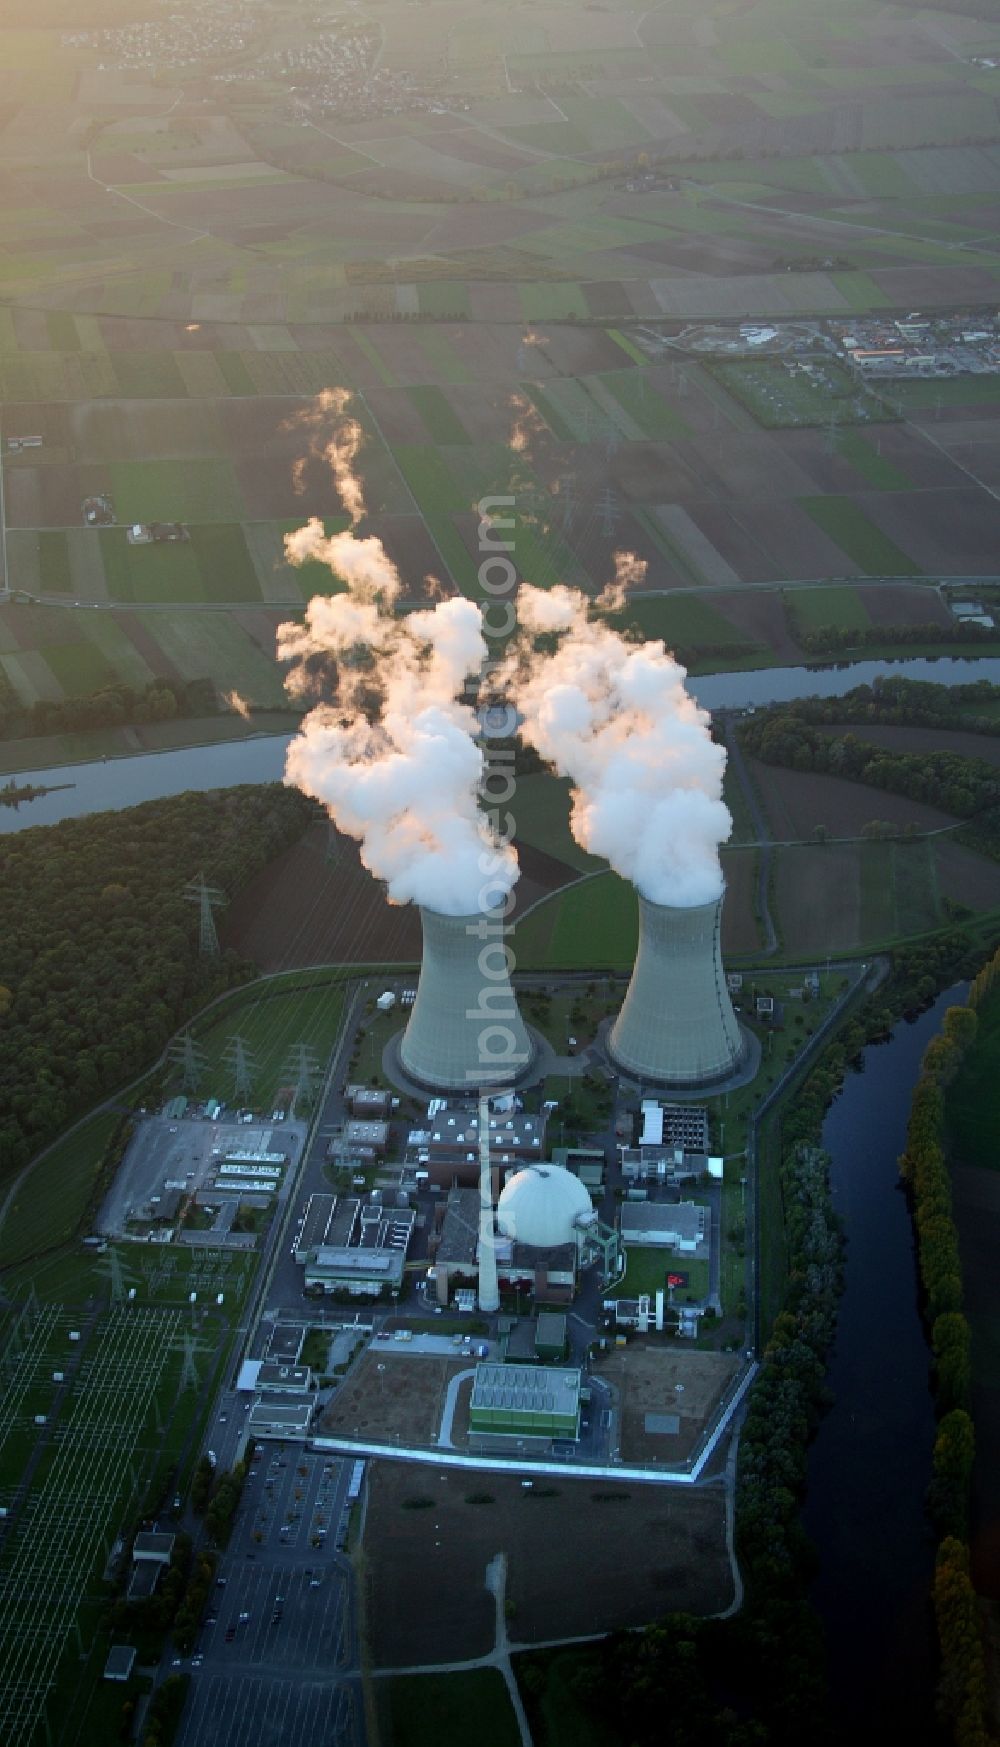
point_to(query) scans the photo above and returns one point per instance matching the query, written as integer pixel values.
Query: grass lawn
(53, 1199)
(964, 391)
(816, 607)
(447, 1710)
(593, 924)
(647, 1269)
(272, 1023)
(237, 377)
(224, 564)
(970, 1104)
(847, 524)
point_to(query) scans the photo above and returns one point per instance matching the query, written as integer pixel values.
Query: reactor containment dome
(677, 1026)
(545, 1206)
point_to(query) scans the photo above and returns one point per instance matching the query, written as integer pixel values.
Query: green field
(594, 923)
(540, 808)
(201, 490)
(435, 1710)
(635, 393)
(874, 468)
(855, 534)
(272, 1023)
(683, 621)
(442, 421)
(818, 607)
(50, 1204)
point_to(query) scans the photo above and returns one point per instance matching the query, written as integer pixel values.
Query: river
(870, 1463)
(122, 782)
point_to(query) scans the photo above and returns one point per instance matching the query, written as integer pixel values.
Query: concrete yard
(186, 1151)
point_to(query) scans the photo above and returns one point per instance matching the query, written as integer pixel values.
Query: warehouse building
(677, 1225)
(523, 1406)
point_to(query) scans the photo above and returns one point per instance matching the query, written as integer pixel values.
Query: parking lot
(233, 1709)
(281, 1603)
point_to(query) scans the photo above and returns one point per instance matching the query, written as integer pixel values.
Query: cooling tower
(677, 1025)
(465, 1029)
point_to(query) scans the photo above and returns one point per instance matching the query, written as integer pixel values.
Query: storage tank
(677, 1026)
(465, 1029)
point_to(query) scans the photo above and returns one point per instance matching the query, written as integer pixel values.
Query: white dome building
(545, 1206)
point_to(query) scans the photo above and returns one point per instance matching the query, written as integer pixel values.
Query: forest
(100, 944)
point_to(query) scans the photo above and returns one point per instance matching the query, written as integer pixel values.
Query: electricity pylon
(208, 898)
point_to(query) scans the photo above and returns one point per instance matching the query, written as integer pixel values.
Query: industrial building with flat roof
(678, 1225)
(447, 1148)
(524, 1404)
(354, 1246)
(368, 1101)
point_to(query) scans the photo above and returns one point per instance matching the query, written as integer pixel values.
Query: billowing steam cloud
(337, 447)
(616, 718)
(393, 754)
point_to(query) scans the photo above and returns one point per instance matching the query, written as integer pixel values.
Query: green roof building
(524, 1402)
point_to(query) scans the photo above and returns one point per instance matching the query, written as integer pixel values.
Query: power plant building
(523, 1404)
(464, 1030)
(677, 1026)
(447, 1149)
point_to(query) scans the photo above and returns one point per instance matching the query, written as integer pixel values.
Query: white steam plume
(393, 757)
(338, 448)
(616, 718)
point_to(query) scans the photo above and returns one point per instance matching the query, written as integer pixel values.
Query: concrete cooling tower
(465, 1030)
(677, 1026)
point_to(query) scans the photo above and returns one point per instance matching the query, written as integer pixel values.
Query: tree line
(111, 706)
(962, 1686)
(965, 787)
(100, 960)
(834, 640)
(896, 701)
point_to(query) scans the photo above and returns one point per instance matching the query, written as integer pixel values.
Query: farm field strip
(59, 1539)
